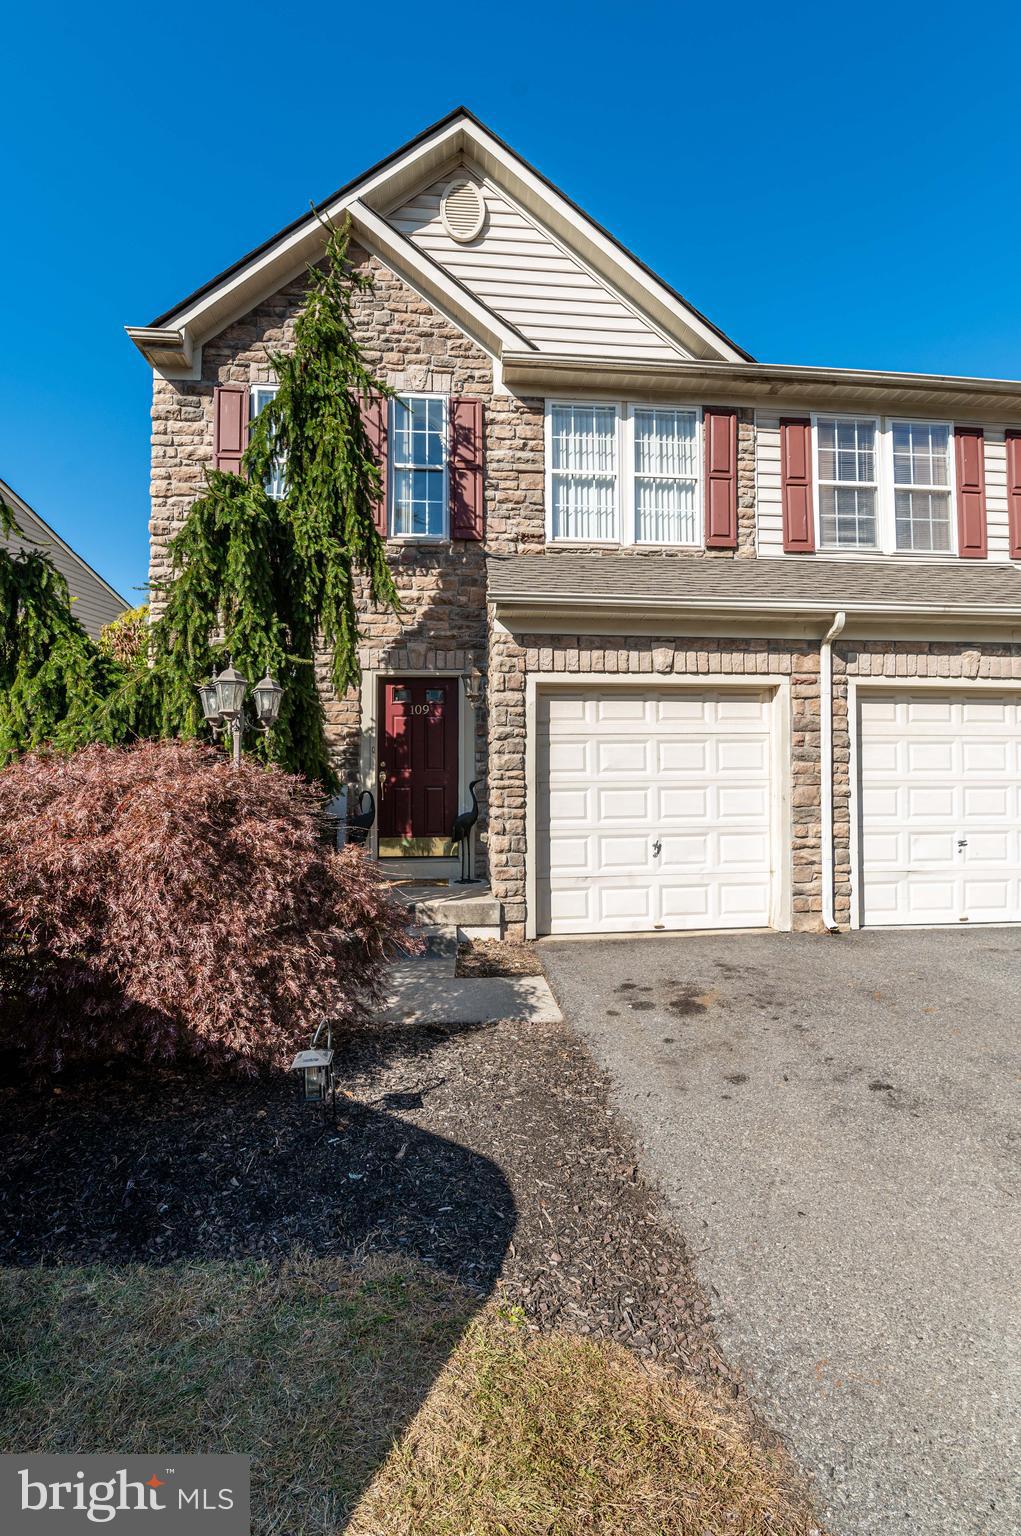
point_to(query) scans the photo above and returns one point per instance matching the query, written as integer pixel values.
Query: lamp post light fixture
(315, 1066)
(223, 705)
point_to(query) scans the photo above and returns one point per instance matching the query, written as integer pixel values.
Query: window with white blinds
(624, 473)
(584, 472)
(666, 476)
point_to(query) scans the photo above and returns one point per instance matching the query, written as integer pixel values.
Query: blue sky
(829, 184)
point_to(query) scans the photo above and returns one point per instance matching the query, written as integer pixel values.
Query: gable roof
(96, 602)
(171, 341)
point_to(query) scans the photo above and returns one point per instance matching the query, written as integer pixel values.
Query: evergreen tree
(56, 685)
(267, 582)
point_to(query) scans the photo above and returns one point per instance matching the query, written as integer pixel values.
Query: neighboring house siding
(996, 494)
(94, 603)
(519, 270)
(767, 481)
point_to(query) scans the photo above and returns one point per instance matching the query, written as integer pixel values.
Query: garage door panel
(940, 792)
(654, 810)
(570, 805)
(618, 851)
(742, 754)
(677, 755)
(622, 805)
(630, 756)
(687, 804)
(986, 756)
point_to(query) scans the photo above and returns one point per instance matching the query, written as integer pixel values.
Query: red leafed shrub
(154, 901)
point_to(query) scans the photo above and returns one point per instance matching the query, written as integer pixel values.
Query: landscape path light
(223, 705)
(315, 1066)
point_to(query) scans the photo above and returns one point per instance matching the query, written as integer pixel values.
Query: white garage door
(941, 807)
(653, 810)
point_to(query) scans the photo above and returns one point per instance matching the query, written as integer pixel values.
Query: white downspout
(826, 765)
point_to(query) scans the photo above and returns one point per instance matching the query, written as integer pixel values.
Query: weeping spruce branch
(270, 582)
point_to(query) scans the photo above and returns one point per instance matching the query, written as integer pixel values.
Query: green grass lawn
(377, 1397)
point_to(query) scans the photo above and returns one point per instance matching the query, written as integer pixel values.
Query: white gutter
(826, 765)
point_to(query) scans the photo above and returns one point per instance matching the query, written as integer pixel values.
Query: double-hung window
(921, 485)
(259, 397)
(884, 484)
(666, 476)
(848, 483)
(418, 460)
(624, 474)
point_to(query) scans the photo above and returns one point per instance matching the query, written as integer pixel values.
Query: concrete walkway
(424, 990)
(834, 1122)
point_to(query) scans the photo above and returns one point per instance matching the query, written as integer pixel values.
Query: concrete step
(482, 911)
(440, 938)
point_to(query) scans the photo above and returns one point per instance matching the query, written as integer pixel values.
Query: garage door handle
(657, 848)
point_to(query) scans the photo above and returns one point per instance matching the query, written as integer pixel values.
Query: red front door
(417, 765)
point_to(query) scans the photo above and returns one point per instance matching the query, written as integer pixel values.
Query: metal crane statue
(462, 834)
(359, 822)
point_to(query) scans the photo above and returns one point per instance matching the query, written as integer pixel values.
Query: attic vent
(463, 211)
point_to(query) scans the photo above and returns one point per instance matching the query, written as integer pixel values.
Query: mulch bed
(497, 957)
(489, 1152)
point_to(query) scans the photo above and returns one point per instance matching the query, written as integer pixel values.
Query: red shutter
(374, 417)
(1014, 493)
(796, 486)
(720, 479)
(467, 508)
(230, 426)
(969, 443)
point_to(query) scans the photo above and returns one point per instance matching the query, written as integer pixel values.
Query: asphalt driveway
(834, 1123)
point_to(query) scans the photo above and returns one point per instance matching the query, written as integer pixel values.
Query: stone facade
(442, 586)
(444, 624)
(645, 658)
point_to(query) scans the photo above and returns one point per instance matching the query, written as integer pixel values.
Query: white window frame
(391, 470)
(886, 520)
(279, 467)
(625, 500)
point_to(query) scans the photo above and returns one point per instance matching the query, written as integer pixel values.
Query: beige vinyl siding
(520, 271)
(996, 493)
(768, 501)
(95, 604)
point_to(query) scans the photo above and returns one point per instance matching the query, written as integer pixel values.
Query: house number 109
(420, 709)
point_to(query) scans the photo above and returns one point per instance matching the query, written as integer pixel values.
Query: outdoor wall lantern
(472, 684)
(315, 1069)
(223, 705)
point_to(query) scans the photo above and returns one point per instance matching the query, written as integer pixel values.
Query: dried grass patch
(526, 1434)
(378, 1387)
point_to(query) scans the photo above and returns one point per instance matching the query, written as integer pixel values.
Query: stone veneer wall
(950, 661)
(513, 657)
(443, 625)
